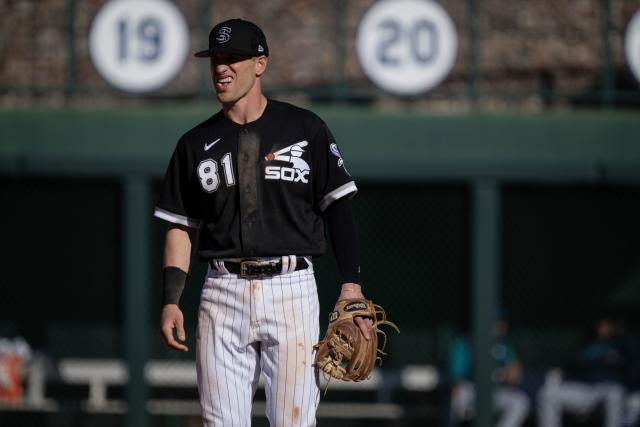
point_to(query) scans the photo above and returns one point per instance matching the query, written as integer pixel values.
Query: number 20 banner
(632, 45)
(406, 46)
(138, 45)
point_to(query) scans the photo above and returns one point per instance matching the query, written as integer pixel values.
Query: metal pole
(485, 268)
(339, 31)
(472, 66)
(71, 75)
(205, 89)
(136, 301)
(607, 90)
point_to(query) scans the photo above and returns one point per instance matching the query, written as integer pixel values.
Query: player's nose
(219, 69)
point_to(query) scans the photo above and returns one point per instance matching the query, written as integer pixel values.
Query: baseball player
(509, 400)
(257, 181)
(596, 377)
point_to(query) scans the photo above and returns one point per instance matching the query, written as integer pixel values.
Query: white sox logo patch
(224, 34)
(334, 149)
(293, 155)
(336, 152)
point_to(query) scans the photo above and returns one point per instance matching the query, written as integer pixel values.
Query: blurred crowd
(601, 381)
(530, 54)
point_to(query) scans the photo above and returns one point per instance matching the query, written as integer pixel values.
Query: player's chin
(225, 97)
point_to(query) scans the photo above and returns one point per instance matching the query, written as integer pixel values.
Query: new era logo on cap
(238, 37)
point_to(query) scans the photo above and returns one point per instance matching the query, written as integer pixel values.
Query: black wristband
(173, 281)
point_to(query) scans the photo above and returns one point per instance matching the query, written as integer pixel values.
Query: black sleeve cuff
(344, 239)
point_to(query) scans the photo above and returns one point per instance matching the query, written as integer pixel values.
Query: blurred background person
(509, 400)
(632, 378)
(15, 354)
(597, 375)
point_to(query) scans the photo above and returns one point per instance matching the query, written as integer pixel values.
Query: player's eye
(227, 58)
(237, 58)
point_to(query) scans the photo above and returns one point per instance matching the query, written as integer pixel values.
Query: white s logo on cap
(224, 34)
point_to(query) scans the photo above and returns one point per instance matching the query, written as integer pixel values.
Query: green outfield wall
(395, 145)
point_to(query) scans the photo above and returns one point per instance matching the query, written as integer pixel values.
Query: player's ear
(261, 65)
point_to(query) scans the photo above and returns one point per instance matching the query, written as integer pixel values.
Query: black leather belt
(252, 269)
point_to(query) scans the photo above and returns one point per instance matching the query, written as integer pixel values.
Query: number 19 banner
(406, 46)
(138, 45)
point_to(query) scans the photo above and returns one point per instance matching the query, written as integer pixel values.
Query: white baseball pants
(580, 398)
(512, 404)
(249, 327)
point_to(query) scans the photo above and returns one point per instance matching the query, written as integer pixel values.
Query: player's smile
(222, 82)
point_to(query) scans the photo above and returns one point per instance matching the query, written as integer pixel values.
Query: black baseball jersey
(257, 189)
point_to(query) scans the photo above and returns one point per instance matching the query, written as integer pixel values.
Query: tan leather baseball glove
(344, 353)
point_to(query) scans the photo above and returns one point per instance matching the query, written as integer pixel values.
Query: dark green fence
(457, 216)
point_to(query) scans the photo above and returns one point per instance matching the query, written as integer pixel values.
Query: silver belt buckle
(245, 267)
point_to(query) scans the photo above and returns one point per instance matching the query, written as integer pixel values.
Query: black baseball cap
(236, 36)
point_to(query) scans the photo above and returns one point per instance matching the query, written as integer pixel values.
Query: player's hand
(353, 290)
(172, 318)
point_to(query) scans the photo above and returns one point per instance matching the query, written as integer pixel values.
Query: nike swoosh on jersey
(207, 146)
